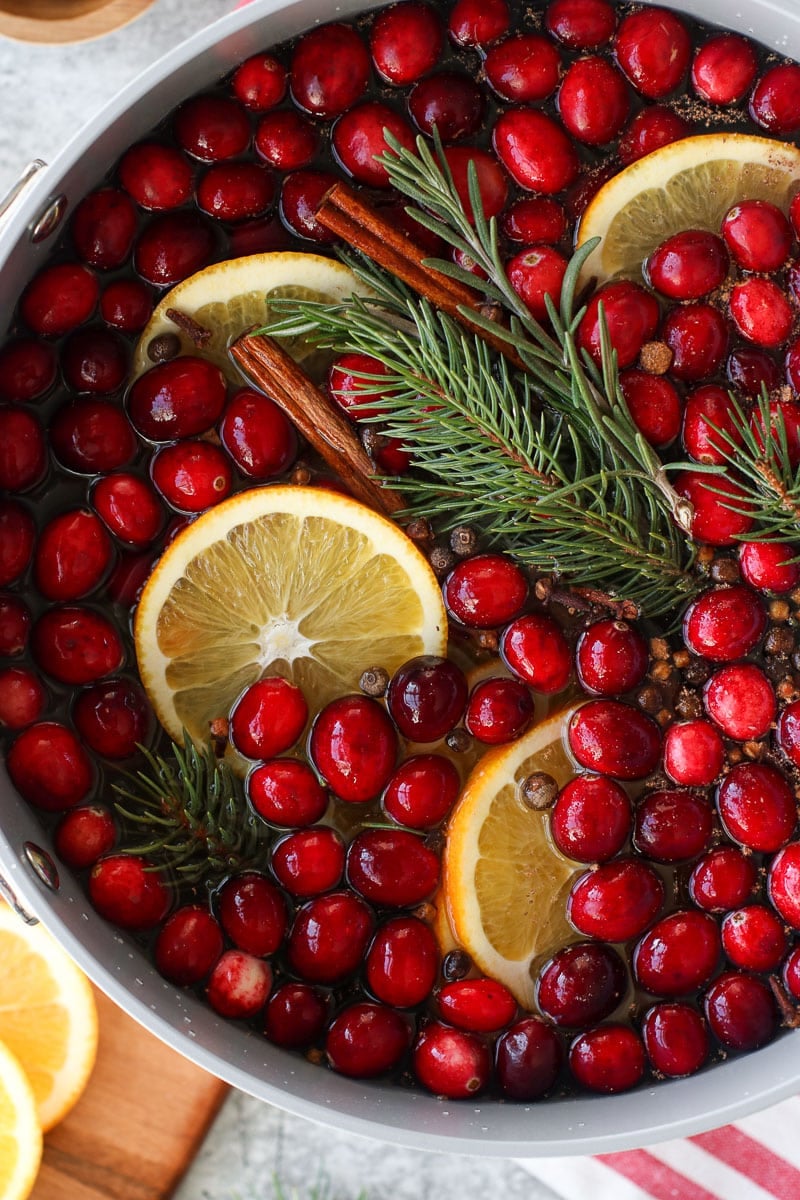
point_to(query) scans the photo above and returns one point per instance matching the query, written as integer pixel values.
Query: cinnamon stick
(266, 362)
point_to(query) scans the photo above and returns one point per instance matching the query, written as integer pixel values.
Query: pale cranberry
(22, 698)
(239, 984)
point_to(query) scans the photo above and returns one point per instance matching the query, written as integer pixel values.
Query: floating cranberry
(449, 102)
(492, 184)
(329, 937)
(23, 458)
(392, 867)
(697, 335)
(422, 791)
(268, 718)
(591, 818)
(751, 370)
(129, 507)
(614, 739)
(103, 228)
(252, 912)
(94, 360)
(478, 22)
(758, 235)
(581, 984)
(479, 1005)
(784, 422)
(757, 806)
(127, 580)
(177, 399)
(761, 312)
(653, 49)
(741, 1011)
(359, 138)
(22, 698)
(83, 835)
(451, 1062)
(259, 83)
(329, 70)
(535, 274)
(309, 862)
(59, 298)
(76, 645)
(72, 556)
(17, 538)
(402, 962)
(235, 191)
(528, 1059)
(212, 128)
(188, 945)
(90, 436)
(499, 711)
(286, 140)
(654, 404)
(191, 476)
(791, 973)
(535, 648)
(615, 901)
(679, 954)
(239, 984)
(675, 1038)
(27, 370)
(693, 753)
(723, 879)
(128, 891)
(485, 591)
(366, 1040)
(258, 435)
(535, 151)
(262, 236)
(285, 791)
(593, 101)
(295, 1015)
(631, 315)
(580, 24)
(741, 700)
(353, 386)
(354, 747)
(672, 826)
(172, 246)
(534, 219)
(609, 1059)
(301, 195)
(157, 176)
(787, 732)
(426, 698)
(724, 69)
(113, 718)
(611, 658)
(688, 265)
(126, 304)
(15, 624)
(49, 767)
(754, 938)
(651, 128)
(783, 883)
(523, 68)
(775, 102)
(720, 515)
(709, 432)
(406, 41)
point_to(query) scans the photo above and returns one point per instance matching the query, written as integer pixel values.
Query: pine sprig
(193, 809)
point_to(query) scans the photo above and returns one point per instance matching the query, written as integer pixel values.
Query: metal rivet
(42, 865)
(50, 219)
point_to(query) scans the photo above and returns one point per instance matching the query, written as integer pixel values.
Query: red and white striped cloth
(757, 1158)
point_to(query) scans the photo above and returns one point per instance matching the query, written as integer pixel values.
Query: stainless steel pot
(243, 1058)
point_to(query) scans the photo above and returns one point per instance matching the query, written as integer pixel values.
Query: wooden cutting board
(138, 1125)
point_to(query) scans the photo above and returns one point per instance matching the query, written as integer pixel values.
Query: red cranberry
(422, 791)
(693, 753)
(352, 385)
(329, 70)
(534, 219)
(697, 335)
(723, 879)
(90, 436)
(478, 22)
(611, 658)
(15, 624)
(235, 191)
(127, 580)
(22, 698)
(581, 984)
(688, 265)
(725, 623)
(754, 938)
(286, 140)
(284, 792)
(784, 421)
(741, 1011)
(724, 69)
(76, 645)
(792, 364)
(485, 591)
(113, 718)
(17, 537)
(741, 700)
(608, 1059)
(499, 711)
(451, 1062)
(715, 520)
(27, 370)
(329, 937)
(535, 649)
(492, 184)
(450, 102)
(268, 718)
(791, 973)
(158, 177)
(172, 246)
(392, 867)
(581, 24)
(72, 556)
(676, 1039)
(591, 818)
(751, 370)
(212, 128)
(239, 984)
(426, 697)
(126, 304)
(126, 890)
(708, 426)
(593, 101)
(479, 1005)
(366, 1040)
(651, 128)
(631, 317)
(678, 955)
(787, 732)
(535, 274)
(672, 826)
(535, 151)
(83, 835)
(354, 747)
(259, 83)
(615, 901)
(775, 102)
(129, 507)
(301, 195)
(402, 962)
(253, 913)
(757, 806)
(529, 1057)
(309, 862)
(358, 139)
(262, 236)
(49, 767)
(783, 883)
(177, 399)
(758, 235)
(23, 458)
(295, 1016)
(59, 298)
(761, 312)
(614, 739)
(192, 476)
(188, 945)
(103, 228)
(406, 41)
(523, 68)
(653, 48)
(94, 360)
(654, 404)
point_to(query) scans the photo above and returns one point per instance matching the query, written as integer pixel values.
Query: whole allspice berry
(538, 791)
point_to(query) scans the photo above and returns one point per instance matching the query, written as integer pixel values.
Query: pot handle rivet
(51, 216)
(42, 865)
(50, 219)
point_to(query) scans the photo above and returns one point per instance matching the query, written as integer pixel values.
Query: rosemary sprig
(194, 812)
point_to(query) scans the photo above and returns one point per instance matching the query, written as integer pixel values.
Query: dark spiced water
(549, 103)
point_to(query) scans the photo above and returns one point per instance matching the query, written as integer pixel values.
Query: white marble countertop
(46, 94)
